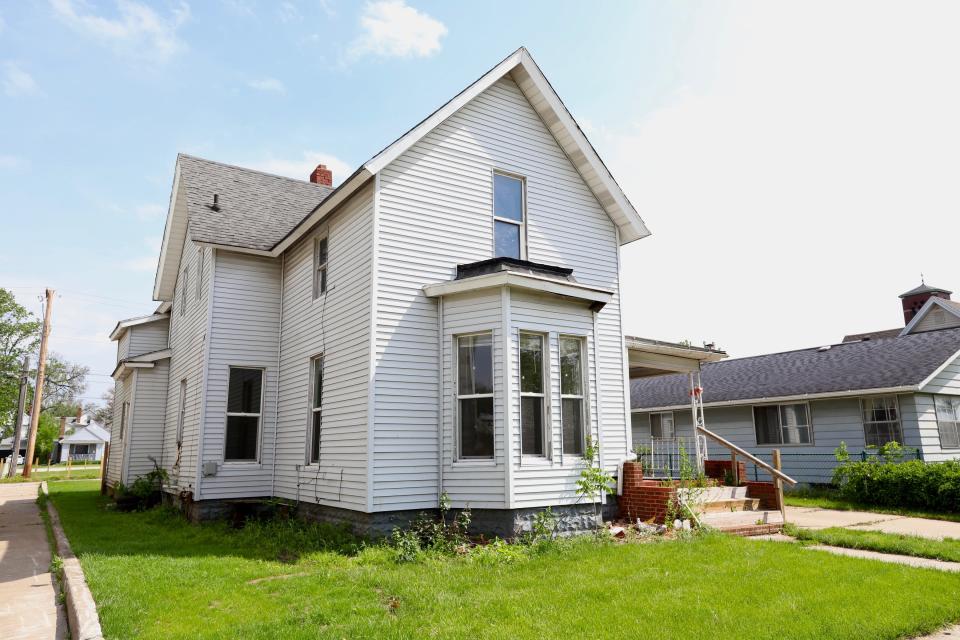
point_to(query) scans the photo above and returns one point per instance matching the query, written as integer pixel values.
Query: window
(319, 267)
(199, 272)
(782, 424)
(316, 406)
(881, 421)
(243, 413)
(80, 449)
(948, 421)
(183, 290)
(661, 425)
(475, 395)
(124, 411)
(571, 395)
(182, 414)
(532, 439)
(508, 217)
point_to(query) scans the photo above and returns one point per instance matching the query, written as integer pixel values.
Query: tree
(63, 385)
(103, 414)
(48, 430)
(19, 335)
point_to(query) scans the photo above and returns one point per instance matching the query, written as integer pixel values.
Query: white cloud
(392, 29)
(148, 260)
(300, 168)
(801, 180)
(267, 84)
(150, 211)
(138, 31)
(289, 12)
(11, 162)
(16, 81)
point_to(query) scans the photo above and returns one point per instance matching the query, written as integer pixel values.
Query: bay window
(532, 420)
(572, 415)
(475, 396)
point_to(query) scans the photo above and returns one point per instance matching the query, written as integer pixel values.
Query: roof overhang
(653, 357)
(794, 398)
(593, 296)
(145, 361)
(123, 325)
(174, 235)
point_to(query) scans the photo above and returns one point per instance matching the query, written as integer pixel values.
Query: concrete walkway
(28, 601)
(815, 518)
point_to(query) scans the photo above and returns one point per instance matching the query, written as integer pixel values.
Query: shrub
(915, 484)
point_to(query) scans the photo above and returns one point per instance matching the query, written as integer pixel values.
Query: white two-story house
(447, 320)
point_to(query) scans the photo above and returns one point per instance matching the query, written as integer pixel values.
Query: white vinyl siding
(937, 318)
(123, 392)
(146, 421)
(434, 212)
(338, 326)
(148, 337)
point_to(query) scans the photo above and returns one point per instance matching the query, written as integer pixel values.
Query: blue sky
(795, 162)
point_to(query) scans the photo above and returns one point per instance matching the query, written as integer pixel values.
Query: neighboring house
(446, 321)
(898, 385)
(6, 444)
(86, 443)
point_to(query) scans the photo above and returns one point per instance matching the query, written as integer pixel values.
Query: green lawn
(828, 499)
(55, 473)
(155, 576)
(946, 549)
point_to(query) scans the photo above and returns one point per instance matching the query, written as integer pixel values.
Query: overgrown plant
(446, 534)
(644, 455)
(594, 481)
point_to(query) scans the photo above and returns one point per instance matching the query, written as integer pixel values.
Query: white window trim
(258, 416)
(774, 445)
(955, 421)
(318, 266)
(312, 410)
(673, 422)
(124, 414)
(183, 290)
(584, 393)
(523, 211)
(899, 421)
(460, 458)
(182, 412)
(544, 395)
(200, 256)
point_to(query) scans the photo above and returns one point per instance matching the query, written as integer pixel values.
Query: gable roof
(88, 433)
(240, 226)
(950, 306)
(890, 364)
(123, 325)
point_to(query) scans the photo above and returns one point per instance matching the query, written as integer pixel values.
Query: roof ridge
(228, 165)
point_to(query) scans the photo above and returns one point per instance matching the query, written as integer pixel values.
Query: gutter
(798, 397)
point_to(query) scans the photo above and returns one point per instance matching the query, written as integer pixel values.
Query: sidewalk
(28, 602)
(816, 518)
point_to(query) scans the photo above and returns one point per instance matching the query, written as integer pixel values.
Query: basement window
(785, 424)
(244, 399)
(948, 421)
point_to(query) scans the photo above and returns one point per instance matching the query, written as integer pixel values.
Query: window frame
(673, 424)
(312, 410)
(522, 224)
(953, 400)
(544, 394)
(183, 290)
(864, 422)
(321, 285)
(259, 416)
(124, 414)
(457, 398)
(584, 393)
(779, 405)
(182, 412)
(200, 257)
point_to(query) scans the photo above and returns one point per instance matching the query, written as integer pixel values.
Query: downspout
(276, 399)
(441, 397)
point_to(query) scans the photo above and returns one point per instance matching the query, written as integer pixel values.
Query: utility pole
(38, 388)
(18, 421)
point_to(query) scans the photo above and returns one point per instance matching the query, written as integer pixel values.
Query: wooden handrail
(746, 454)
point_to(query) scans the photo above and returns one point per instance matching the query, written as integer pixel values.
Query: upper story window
(532, 409)
(319, 267)
(509, 217)
(244, 397)
(661, 425)
(572, 411)
(783, 424)
(881, 421)
(200, 256)
(948, 421)
(183, 290)
(475, 396)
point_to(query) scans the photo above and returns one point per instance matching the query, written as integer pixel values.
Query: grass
(78, 473)
(156, 576)
(825, 498)
(946, 549)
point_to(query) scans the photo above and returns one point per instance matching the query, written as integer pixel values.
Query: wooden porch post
(735, 471)
(779, 485)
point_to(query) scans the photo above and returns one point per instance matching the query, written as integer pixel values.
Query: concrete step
(731, 505)
(718, 493)
(737, 519)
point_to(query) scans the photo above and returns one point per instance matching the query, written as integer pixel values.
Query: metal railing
(667, 457)
(83, 457)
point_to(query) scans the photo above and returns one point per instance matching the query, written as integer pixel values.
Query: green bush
(914, 484)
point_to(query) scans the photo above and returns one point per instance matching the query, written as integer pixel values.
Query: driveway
(816, 518)
(28, 601)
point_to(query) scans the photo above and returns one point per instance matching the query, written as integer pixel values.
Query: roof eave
(790, 398)
(529, 282)
(174, 233)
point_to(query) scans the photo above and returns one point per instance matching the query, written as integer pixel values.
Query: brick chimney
(914, 299)
(322, 175)
(63, 427)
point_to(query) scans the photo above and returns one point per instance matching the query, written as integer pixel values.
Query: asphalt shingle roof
(874, 364)
(256, 209)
